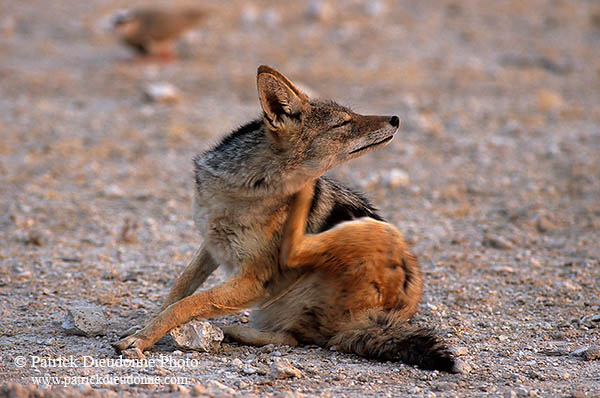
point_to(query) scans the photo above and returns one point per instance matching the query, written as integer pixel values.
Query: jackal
(312, 257)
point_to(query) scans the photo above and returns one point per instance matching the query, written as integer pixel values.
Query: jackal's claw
(132, 342)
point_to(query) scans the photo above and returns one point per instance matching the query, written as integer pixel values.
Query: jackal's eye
(341, 124)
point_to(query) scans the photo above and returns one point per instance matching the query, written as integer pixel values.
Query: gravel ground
(494, 178)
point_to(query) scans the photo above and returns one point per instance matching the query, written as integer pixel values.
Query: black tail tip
(438, 359)
(431, 353)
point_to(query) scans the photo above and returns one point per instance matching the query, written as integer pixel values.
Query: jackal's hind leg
(251, 336)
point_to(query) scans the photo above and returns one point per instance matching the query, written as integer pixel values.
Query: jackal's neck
(246, 166)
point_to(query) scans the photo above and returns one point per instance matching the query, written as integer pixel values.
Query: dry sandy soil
(497, 184)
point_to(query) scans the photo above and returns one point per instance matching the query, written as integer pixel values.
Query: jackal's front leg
(194, 275)
(236, 294)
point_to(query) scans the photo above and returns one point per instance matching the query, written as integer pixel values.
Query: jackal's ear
(278, 95)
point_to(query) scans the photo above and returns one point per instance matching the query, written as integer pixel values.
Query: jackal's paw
(135, 342)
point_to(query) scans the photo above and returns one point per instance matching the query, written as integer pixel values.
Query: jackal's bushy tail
(386, 336)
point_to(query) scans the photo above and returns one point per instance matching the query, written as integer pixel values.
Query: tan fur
(368, 255)
(319, 282)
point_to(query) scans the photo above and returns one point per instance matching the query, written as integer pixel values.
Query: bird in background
(153, 31)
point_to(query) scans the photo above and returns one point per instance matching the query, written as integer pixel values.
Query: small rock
(289, 394)
(197, 335)
(590, 321)
(183, 390)
(319, 10)
(271, 17)
(588, 353)
(543, 224)
(249, 369)
(199, 389)
(497, 242)
(503, 270)
(461, 366)
(396, 178)
(459, 351)
(35, 238)
(569, 285)
(548, 100)
(113, 191)
(86, 320)
(249, 16)
(161, 92)
(237, 363)
(281, 368)
(216, 388)
(85, 389)
(374, 8)
(430, 123)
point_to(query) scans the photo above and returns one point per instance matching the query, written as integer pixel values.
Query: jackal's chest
(237, 231)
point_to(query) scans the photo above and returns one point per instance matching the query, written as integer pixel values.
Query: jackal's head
(313, 135)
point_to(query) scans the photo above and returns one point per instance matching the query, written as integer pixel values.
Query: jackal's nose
(395, 121)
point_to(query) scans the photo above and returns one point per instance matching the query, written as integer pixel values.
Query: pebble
(197, 335)
(459, 351)
(543, 224)
(396, 178)
(461, 366)
(85, 320)
(374, 8)
(113, 191)
(281, 368)
(503, 270)
(569, 285)
(216, 388)
(199, 389)
(319, 10)
(289, 394)
(85, 389)
(497, 242)
(161, 92)
(249, 369)
(588, 353)
(548, 100)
